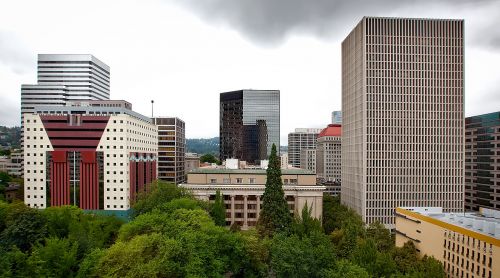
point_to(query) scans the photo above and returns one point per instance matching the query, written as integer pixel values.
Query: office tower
(249, 124)
(284, 161)
(328, 154)
(302, 138)
(465, 243)
(63, 78)
(482, 161)
(171, 149)
(337, 117)
(308, 159)
(403, 116)
(91, 154)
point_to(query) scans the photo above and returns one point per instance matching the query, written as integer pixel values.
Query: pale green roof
(249, 171)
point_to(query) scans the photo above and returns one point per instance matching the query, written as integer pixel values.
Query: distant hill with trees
(10, 137)
(203, 146)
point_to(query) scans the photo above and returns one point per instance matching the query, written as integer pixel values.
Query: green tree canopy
(209, 158)
(218, 210)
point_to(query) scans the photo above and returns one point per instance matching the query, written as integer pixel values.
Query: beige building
(308, 159)
(192, 161)
(243, 188)
(403, 116)
(468, 244)
(12, 165)
(328, 154)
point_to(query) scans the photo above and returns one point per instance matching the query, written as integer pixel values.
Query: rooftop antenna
(152, 103)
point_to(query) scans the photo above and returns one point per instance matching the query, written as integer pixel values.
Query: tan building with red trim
(468, 244)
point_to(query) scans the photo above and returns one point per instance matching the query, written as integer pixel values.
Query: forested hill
(10, 136)
(203, 146)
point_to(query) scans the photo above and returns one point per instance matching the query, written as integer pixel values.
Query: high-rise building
(249, 124)
(63, 78)
(302, 138)
(328, 154)
(91, 154)
(482, 161)
(337, 117)
(465, 243)
(171, 149)
(403, 116)
(308, 159)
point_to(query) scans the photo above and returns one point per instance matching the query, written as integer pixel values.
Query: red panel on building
(59, 179)
(133, 180)
(89, 181)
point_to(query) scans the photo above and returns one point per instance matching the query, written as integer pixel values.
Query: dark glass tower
(482, 161)
(249, 124)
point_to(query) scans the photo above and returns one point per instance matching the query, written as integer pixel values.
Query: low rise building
(12, 164)
(242, 190)
(468, 244)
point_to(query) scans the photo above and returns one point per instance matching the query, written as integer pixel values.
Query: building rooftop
(248, 171)
(485, 222)
(331, 130)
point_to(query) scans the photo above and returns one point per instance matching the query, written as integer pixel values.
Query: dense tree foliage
(174, 235)
(209, 158)
(275, 215)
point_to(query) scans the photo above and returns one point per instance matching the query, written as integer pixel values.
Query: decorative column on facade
(258, 207)
(245, 212)
(232, 209)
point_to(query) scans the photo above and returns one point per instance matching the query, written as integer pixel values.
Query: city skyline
(301, 56)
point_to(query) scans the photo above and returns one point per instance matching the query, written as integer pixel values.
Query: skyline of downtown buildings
(402, 45)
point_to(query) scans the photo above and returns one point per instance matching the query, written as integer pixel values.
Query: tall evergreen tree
(218, 211)
(275, 215)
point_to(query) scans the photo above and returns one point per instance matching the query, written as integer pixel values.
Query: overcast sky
(184, 53)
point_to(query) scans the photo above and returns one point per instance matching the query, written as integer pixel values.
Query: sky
(184, 53)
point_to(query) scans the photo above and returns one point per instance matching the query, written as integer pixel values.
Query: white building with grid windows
(403, 116)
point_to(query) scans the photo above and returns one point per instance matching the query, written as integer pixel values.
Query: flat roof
(484, 225)
(249, 171)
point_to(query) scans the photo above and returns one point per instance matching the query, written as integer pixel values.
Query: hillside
(10, 137)
(203, 146)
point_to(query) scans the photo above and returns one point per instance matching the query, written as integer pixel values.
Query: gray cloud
(14, 54)
(269, 22)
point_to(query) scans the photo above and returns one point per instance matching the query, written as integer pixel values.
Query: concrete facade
(403, 116)
(242, 190)
(468, 245)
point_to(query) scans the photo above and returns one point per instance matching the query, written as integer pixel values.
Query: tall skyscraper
(66, 77)
(171, 149)
(337, 117)
(249, 124)
(302, 138)
(482, 161)
(403, 116)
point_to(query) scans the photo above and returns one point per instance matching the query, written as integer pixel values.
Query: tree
(56, 258)
(381, 235)
(275, 214)
(306, 224)
(209, 158)
(24, 227)
(159, 194)
(218, 210)
(346, 269)
(406, 257)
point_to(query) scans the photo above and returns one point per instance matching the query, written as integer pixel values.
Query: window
(213, 181)
(251, 180)
(226, 180)
(239, 180)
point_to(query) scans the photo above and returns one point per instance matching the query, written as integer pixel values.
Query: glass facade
(171, 149)
(482, 161)
(249, 124)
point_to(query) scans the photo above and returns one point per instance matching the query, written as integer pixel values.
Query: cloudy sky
(183, 53)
